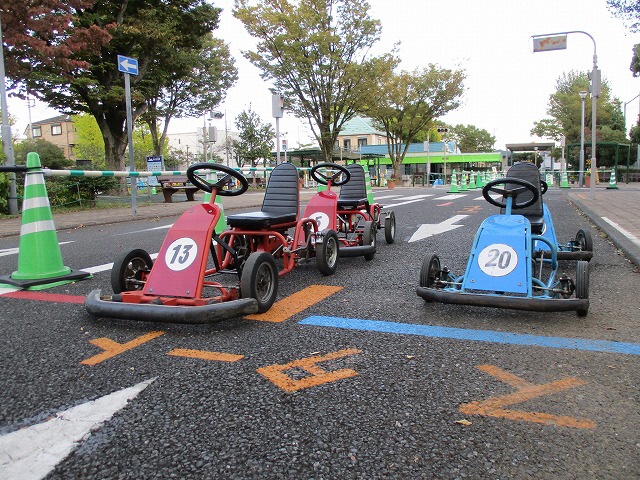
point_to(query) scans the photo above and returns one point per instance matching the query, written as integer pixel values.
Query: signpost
(129, 66)
(558, 41)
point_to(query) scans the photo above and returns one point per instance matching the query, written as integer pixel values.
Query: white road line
(403, 203)
(31, 453)
(109, 266)
(383, 197)
(163, 227)
(495, 196)
(13, 251)
(451, 197)
(627, 234)
(413, 197)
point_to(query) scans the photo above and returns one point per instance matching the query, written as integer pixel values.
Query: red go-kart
(183, 285)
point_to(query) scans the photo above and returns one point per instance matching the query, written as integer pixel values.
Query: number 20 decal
(497, 260)
(181, 254)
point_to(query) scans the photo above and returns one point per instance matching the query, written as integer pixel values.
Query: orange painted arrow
(493, 406)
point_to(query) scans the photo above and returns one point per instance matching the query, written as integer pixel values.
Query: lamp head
(583, 94)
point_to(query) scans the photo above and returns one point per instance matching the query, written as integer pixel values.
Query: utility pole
(7, 144)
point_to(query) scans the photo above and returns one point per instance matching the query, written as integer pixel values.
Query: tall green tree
(408, 102)
(196, 82)
(256, 139)
(142, 29)
(89, 142)
(472, 139)
(317, 53)
(564, 112)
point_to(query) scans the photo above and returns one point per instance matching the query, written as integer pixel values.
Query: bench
(171, 185)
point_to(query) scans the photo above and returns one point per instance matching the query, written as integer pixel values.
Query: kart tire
(429, 270)
(582, 284)
(584, 241)
(390, 227)
(134, 265)
(327, 253)
(369, 238)
(260, 280)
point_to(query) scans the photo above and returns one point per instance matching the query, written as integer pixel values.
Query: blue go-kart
(504, 269)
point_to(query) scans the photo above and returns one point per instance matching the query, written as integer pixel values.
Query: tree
(628, 11)
(317, 52)
(51, 156)
(256, 138)
(44, 34)
(143, 29)
(565, 107)
(472, 139)
(197, 82)
(89, 143)
(409, 102)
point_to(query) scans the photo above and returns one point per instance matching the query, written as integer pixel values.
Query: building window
(36, 132)
(346, 143)
(362, 142)
(56, 129)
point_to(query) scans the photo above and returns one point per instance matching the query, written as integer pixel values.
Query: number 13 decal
(180, 254)
(497, 260)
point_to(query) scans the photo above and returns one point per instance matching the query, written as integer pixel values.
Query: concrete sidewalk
(614, 211)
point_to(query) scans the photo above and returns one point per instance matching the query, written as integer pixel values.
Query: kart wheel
(130, 271)
(369, 238)
(327, 253)
(584, 241)
(260, 280)
(582, 283)
(429, 271)
(390, 228)
(241, 246)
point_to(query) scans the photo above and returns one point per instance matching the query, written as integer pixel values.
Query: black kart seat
(280, 205)
(534, 213)
(353, 194)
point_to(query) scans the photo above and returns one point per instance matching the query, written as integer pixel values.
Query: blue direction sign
(128, 65)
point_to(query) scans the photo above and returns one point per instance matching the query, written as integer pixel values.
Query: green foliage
(90, 144)
(565, 107)
(317, 52)
(635, 61)
(148, 30)
(628, 11)
(51, 156)
(4, 193)
(256, 139)
(472, 139)
(408, 102)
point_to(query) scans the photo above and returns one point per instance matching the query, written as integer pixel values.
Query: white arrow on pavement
(429, 229)
(32, 452)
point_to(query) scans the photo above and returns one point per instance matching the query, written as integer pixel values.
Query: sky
(507, 85)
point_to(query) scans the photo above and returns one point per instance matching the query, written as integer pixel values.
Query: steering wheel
(543, 187)
(209, 187)
(324, 179)
(511, 192)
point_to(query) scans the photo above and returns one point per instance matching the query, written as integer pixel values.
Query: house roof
(360, 126)
(56, 119)
(434, 147)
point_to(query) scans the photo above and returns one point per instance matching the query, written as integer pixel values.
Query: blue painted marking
(476, 335)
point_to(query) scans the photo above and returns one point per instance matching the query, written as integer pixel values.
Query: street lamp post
(558, 41)
(583, 95)
(625, 125)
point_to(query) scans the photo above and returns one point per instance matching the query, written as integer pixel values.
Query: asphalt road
(319, 397)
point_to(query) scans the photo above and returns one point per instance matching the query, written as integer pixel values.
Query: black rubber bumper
(356, 251)
(103, 307)
(580, 255)
(501, 301)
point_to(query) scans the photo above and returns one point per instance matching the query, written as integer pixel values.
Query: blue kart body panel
(500, 259)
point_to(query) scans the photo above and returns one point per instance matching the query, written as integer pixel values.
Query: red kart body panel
(179, 269)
